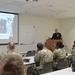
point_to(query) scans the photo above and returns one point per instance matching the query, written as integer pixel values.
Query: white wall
(67, 27)
(44, 27)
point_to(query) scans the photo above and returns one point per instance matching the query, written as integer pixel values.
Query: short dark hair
(59, 44)
(11, 65)
(40, 46)
(11, 45)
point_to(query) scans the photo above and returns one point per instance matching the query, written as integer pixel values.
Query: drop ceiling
(44, 8)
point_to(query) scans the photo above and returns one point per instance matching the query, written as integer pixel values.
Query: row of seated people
(44, 55)
(48, 67)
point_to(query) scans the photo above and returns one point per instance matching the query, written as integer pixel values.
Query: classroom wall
(44, 27)
(67, 27)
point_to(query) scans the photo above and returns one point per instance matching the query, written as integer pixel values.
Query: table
(67, 71)
(30, 63)
(31, 60)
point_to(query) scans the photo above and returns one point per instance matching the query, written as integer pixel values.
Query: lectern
(51, 44)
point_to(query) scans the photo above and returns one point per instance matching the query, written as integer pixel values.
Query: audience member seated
(11, 65)
(72, 52)
(72, 56)
(59, 52)
(10, 50)
(43, 55)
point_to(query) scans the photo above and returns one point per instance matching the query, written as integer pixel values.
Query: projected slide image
(3, 26)
(6, 25)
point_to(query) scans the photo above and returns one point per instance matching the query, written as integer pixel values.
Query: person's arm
(37, 57)
(55, 55)
(60, 36)
(52, 36)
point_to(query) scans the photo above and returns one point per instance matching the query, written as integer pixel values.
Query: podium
(51, 44)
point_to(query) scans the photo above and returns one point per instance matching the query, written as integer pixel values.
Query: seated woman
(59, 52)
(11, 65)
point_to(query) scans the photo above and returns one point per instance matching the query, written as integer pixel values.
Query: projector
(31, 0)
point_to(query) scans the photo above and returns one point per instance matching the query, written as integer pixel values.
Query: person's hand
(48, 37)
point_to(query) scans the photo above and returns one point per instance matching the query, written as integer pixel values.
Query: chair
(62, 63)
(23, 54)
(47, 67)
(30, 53)
(32, 71)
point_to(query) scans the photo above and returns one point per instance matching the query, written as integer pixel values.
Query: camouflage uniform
(59, 53)
(9, 52)
(73, 53)
(71, 56)
(43, 56)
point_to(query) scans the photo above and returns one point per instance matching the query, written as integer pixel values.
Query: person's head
(56, 30)
(11, 65)
(40, 46)
(59, 45)
(11, 46)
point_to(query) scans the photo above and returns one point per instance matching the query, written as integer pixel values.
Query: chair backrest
(30, 53)
(47, 67)
(23, 54)
(62, 63)
(32, 71)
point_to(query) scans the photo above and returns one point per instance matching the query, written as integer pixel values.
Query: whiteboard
(26, 34)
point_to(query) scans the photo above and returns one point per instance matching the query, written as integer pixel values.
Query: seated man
(10, 50)
(44, 55)
(11, 65)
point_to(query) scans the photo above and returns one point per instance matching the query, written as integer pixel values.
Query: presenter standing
(51, 42)
(56, 35)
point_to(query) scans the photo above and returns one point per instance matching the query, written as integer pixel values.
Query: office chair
(30, 53)
(32, 71)
(23, 54)
(62, 63)
(47, 67)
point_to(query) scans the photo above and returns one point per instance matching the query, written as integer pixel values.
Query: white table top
(31, 60)
(67, 71)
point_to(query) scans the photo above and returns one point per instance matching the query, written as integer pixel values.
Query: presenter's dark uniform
(57, 36)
